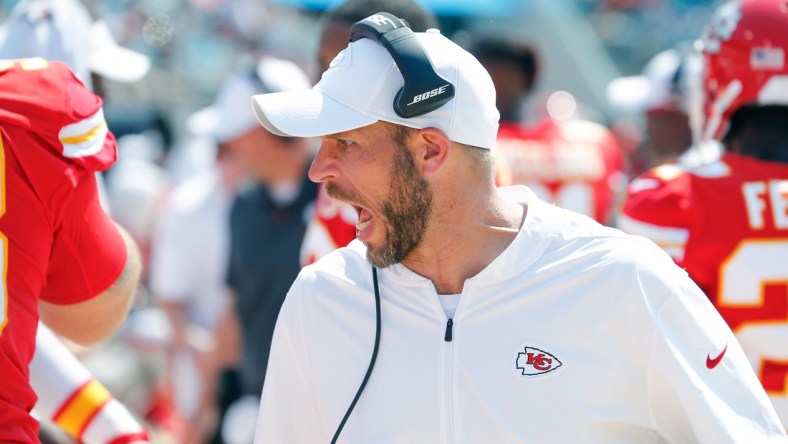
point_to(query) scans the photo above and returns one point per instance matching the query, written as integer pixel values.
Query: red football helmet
(744, 50)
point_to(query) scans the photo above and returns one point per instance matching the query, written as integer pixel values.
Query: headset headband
(425, 90)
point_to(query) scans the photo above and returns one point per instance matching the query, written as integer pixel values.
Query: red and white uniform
(575, 164)
(726, 223)
(58, 244)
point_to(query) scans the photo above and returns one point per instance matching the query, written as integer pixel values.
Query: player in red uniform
(726, 222)
(64, 30)
(64, 260)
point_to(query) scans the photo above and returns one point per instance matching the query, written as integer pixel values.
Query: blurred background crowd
(179, 96)
(193, 45)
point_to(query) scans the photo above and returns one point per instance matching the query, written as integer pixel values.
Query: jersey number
(753, 299)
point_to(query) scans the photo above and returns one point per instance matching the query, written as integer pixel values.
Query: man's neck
(458, 249)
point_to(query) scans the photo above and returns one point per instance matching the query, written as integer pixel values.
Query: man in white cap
(334, 225)
(487, 315)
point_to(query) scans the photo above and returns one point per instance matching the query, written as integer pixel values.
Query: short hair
(419, 18)
(400, 133)
(483, 156)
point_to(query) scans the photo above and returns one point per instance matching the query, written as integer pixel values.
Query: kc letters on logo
(533, 361)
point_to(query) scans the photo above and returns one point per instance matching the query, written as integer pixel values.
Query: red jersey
(58, 244)
(726, 223)
(575, 164)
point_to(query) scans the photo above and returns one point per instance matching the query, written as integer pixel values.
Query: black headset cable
(371, 361)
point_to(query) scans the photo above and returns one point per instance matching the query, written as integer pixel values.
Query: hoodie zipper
(447, 337)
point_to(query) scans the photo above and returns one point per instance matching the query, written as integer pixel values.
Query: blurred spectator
(267, 223)
(136, 186)
(514, 69)
(574, 163)
(661, 94)
(63, 30)
(190, 256)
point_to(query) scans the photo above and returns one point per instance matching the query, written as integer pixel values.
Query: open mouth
(364, 220)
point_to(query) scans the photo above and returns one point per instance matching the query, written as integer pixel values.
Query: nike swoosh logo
(713, 362)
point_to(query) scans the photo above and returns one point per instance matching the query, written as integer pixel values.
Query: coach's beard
(405, 212)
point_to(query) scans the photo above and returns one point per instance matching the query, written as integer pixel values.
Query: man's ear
(432, 149)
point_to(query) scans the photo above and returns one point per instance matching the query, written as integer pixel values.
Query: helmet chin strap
(719, 107)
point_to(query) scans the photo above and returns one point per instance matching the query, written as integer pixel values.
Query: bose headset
(424, 91)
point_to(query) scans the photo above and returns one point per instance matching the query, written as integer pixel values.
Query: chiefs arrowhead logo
(532, 361)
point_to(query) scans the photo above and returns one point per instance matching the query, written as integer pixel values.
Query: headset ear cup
(424, 89)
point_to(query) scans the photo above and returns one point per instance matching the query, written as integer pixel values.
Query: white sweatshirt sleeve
(701, 386)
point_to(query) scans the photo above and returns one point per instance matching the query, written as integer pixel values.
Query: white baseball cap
(63, 30)
(228, 117)
(360, 85)
(659, 86)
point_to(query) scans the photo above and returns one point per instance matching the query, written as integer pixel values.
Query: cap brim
(307, 113)
(204, 122)
(215, 123)
(119, 64)
(110, 60)
(630, 93)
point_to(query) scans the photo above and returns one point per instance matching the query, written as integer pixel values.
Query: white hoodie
(576, 333)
